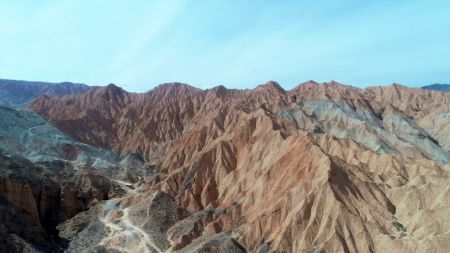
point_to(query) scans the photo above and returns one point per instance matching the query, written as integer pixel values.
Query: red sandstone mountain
(320, 167)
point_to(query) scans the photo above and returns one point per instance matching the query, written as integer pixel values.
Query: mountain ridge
(18, 93)
(438, 87)
(321, 167)
(184, 100)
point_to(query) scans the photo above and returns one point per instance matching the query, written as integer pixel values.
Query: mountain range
(14, 92)
(438, 87)
(323, 167)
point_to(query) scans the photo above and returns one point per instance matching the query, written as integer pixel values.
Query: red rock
(288, 184)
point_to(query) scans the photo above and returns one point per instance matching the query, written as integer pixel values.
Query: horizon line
(223, 85)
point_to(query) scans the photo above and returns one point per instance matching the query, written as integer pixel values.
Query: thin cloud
(140, 44)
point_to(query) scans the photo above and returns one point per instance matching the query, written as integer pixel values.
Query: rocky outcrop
(28, 204)
(34, 199)
(220, 242)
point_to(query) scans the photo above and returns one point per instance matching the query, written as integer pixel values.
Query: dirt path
(123, 234)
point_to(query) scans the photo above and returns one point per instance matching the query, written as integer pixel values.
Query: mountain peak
(311, 82)
(111, 85)
(220, 90)
(397, 85)
(174, 88)
(270, 86)
(176, 85)
(333, 82)
(112, 89)
(306, 84)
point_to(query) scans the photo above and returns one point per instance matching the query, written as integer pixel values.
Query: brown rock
(322, 167)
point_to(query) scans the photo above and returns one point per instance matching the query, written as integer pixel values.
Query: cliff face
(320, 167)
(34, 199)
(28, 205)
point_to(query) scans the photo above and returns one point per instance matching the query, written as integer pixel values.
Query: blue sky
(239, 44)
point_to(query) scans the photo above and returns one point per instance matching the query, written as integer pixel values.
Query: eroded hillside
(321, 167)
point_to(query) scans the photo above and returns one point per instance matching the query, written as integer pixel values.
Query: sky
(240, 44)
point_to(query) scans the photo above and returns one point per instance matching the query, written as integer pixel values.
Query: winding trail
(147, 241)
(123, 234)
(30, 134)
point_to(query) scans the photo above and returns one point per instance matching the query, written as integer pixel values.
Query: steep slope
(29, 207)
(105, 117)
(16, 93)
(46, 177)
(36, 197)
(24, 133)
(378, 117)
(415, 103)
(90, 116)
(320, 167)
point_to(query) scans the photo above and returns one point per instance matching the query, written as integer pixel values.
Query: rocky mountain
(438, 87)
(319, 168)
(36, 197)
(16, 93)
(46, 177)
(26, 134)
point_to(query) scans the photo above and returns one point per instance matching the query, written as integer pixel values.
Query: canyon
(323, 167)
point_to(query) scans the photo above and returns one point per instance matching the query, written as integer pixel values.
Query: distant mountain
(16, 93)
(438, 87)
